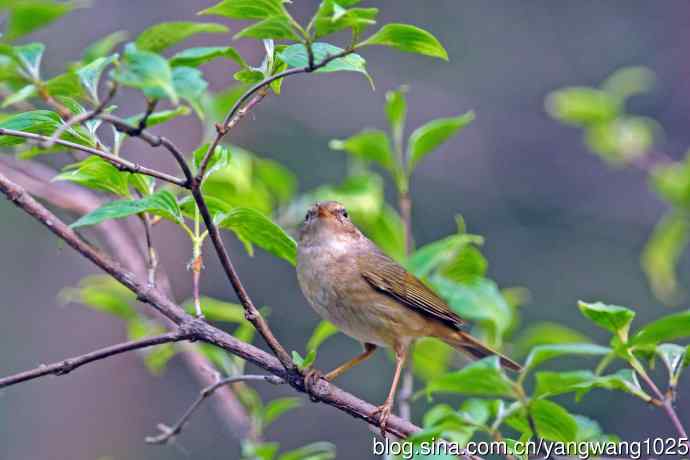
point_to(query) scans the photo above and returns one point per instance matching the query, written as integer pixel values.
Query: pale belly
(340, 295)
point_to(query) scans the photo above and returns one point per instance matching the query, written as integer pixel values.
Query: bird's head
(327, 219)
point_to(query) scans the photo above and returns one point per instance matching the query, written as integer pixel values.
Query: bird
(370, 297)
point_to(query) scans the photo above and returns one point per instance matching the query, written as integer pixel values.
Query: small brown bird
(370, 297)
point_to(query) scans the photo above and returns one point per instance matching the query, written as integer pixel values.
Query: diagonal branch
(120, 163)
(68, 365)
(196, 329)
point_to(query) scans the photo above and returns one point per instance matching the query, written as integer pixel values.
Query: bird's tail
(467, 344)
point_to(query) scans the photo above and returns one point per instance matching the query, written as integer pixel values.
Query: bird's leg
(312, 376)
(384, 410)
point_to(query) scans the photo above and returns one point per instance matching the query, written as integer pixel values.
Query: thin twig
(68, 365)
(666, 402)
(168, 433)
(120, 163)
(151, 256)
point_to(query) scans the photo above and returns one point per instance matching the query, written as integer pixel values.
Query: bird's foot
(382, 413)
(311, 380)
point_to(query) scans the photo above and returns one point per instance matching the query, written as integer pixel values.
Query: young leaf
(613, 318)
(321, 332)
(623, 380)
(246, 9)
(306, 362)
(194, 57)
(218, 310)
(296, 56)
(662, 253)
(582, 106)
(370, 145)
(104, 46)
(90, 74)
(219, 159)
(27, 16)
(674, 357)
(98, 174)
(161, 203)
(278, 407)
(146, 71)
(396, 109)
(543, 353)
(663, 329)
(431, 135)
(331, 17)
(102, 293)
(482, 378)
(274, 27)
(162, 36)
(252, 227)
(407, 38)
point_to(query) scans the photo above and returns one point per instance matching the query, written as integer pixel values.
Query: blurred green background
(556, 219)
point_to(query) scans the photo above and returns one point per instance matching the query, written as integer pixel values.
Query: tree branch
(196, 329)
(116, 161)
(168, 433)
(68, 365)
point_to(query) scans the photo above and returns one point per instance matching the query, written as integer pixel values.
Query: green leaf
(407, 38)
(23, 94)
(555, 383)
(545, 333)
(28, 57)
(278, 407)
(430, 358)
(295, 56)
(218, 310)
(42, 122)
(246, 9)
(321, 332)
(306, 362)
(624, 380)
(674, 357)
(315, 451)
(252, 227)
(331, 17)
(156, 358)
(672, 182)
(582, 105)
(623, 139)
(479, 301)
(66, 85)
(481, 378)
(98, 174)
(194, 57)
(369, 145)
(396, 110)
(542, 353)
(102, 293)
(611, 317)
(160, 117)
(189, 84)
(104, 46)
(436, 255)
(163, 35)
(220, 159)
(146, 71)
(162, 203)
(669, 327)
(629, 81)
(468, 265)
(280, 181)
(90, 74)
(249, 76)
(275, 27)
(25, 16)
(387, 231)
(553, 422)
(662, 252)
(430, 136)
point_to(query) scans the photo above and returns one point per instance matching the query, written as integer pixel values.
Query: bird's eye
(344, 213)
(306, 218)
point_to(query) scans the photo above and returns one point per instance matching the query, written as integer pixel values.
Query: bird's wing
(389, 277)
